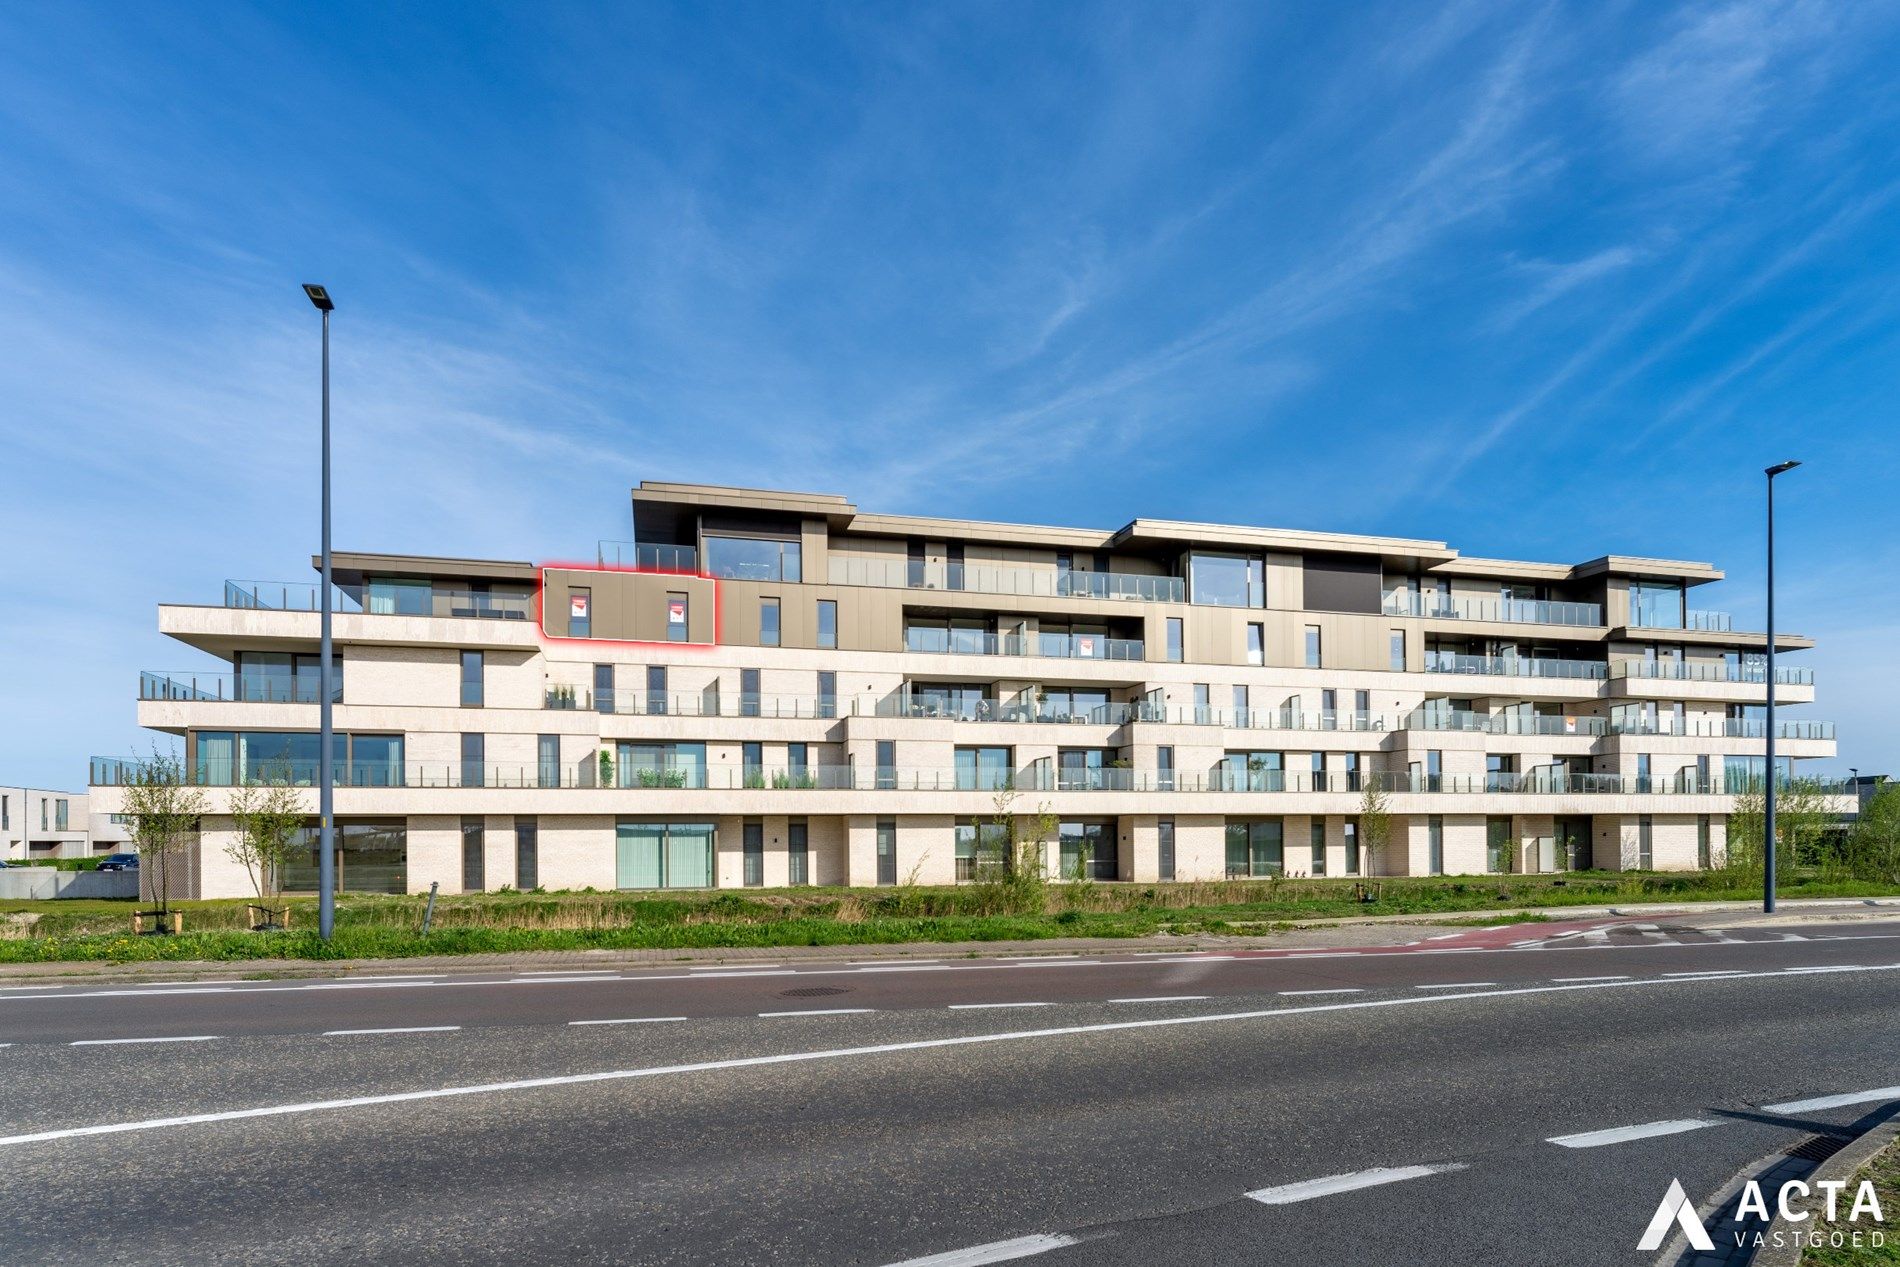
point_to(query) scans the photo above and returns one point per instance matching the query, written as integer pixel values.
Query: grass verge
(1884, 1170)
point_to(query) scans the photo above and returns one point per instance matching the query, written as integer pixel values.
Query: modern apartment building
(38, 823)
(772, 688)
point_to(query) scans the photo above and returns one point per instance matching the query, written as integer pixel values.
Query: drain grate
(812, 992)
(1817, 1148)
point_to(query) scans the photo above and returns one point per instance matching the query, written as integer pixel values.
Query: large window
(474, 760)
(371, 857)
(1255, 847)
(662, 764)
(1089, 850)
(262, 756)
(1226, 580)
(982, 769)
(663, 855)
(281, 677)
(750, 559)
(1499, 845)
(981, 845)
(547, 755)
(1655, 606)
(1254, 772)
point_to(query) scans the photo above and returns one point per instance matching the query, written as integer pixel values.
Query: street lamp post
(326, 772)
(1768, 804)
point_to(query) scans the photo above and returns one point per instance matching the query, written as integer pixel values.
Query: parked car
(119, 862)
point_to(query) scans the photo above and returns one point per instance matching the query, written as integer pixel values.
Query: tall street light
(1768, 808)
(326, 772)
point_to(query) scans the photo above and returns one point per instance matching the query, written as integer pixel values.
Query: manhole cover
(812, 992)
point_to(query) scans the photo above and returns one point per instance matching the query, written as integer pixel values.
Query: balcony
(1502, 723)
(646, 558)
(935, 641)
(1504, 610)
(1679, 671)
(1722, 728)
(977, 578)
(460, 603)
(1513, 666)
(245, 688)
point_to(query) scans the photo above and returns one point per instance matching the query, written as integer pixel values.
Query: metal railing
(983, 578)
(1669, 617)
(933, 641)
(1721, 728)
(1513, 666)
(1673, 671)
(1503, 610)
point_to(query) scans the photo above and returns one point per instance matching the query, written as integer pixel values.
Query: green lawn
(378, 927)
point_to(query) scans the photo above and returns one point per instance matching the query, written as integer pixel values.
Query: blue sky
(1546, 281)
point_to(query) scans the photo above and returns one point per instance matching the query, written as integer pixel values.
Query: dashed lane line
(821, 1011)
(979, 1007)
(1835, 1101)
(117, 1042)
(1307, 1190)
(1456, 985)
(630, 1020)
(1624, 1134)
(394, 1029)
(994, 1252)
(1165, 998)
(1295, 994)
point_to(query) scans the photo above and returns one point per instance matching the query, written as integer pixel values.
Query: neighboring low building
(41, 823)
(777, 688)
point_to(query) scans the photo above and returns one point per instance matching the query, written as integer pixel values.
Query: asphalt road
(1112, 1109)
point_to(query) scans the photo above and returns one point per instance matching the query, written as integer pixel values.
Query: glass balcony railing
(1513, 666)
(981, 578)
(654, 557)
(1502, 723)
(416, 601)
(694, 777)
(1669, 616)
(1721, 728)
(1677, 671)
(1505, 610)
(937, 641)
(243, 688)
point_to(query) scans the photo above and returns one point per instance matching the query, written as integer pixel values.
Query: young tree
(1375, 824)
(1802, 819)
(1873, 846)
(163, 810)
(269, 813)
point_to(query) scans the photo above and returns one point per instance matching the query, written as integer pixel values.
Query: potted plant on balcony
(606, 768)
(163, 811)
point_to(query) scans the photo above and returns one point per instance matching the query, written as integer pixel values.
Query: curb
(1843, 1165)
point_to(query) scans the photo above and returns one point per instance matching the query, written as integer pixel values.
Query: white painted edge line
(1823, 968)
(1623, 1134)
(1293, 994)
(1589, 978)
(730, 967)
(115, 1042)
(886, 963)
(1835, 1101)
(972, 1007)
(1288, 1193)
(567, 972)
(994, 1252)
(1321, 954)
(834, 1053)
(822, 1011)
(630, 1020)
(565, 980)
(1033, 958)
(697, 975)
(1165, 998)
(578, 975)
(398, 1029)
(1706, 972)
(1456, 985)
(909, 967)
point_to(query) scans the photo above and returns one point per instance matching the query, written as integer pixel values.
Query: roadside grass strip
(1307, 1190)
(1624, 1134)
(847, 1053)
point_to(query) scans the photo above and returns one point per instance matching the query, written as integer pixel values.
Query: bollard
(428, 912)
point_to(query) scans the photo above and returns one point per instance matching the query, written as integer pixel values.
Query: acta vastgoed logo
(1755, 1215)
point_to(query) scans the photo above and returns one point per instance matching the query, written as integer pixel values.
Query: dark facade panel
(1341, 583)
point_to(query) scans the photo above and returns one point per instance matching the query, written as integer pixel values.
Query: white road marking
(1165, 998)
(1288, 1193)
(1705, 972)
(1835, 1101)
(1623, 1134)
(1322, 954)
(821, 1011)
(114, 1042)
(1034, 958)
(1824, 968)
(1455, 985)
(880, 963)
(723, 967)
(563, 980)
(630, 1020)
(921, 967)
(1589, 978)
(971, 1007)
(567, 972)
(994, 1252)
(398, 1029)
(1343, 990)
(835, 1053)
(698, 975)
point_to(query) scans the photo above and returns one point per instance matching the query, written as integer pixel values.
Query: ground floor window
(371, 857)
(1435, 845)
(753, 837)
(663, 855)
(981, 846)
(1088, 850)
(1164, 839)
(527, 854)
(1573, 843)
(1703, 854)
(1318, 841)
(1352, 848)
(887, 851)
(797, 852)
(1497, 844)
(1255, 847)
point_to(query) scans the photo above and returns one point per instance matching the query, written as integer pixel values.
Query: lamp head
(318, 296)
(1780, 467)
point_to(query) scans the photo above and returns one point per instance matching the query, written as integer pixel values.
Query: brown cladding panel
(1341, 583)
